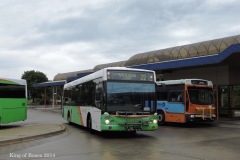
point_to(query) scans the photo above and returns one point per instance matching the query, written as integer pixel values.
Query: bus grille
(204, 112)
(120, 113)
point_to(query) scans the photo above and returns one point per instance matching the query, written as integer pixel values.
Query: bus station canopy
(50, 84)
(63, 78)
(195, 61)
(114, 64)
(210, 52)
(191, 51)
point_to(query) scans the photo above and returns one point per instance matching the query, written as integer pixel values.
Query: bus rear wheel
(89, 123)
(161, 118)
(69, 119)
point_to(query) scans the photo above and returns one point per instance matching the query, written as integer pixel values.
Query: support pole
(52, 97)
(217, 109)
(45, 96)
(56, 98)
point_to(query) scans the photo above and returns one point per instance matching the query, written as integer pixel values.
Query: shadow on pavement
(7, 126)
(193, 125)
(114, 134)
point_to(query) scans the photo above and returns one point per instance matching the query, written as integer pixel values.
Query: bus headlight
(107, 121)
(155, 121)
(106, 113)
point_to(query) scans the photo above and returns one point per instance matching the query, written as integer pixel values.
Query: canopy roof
(114, 64)
(205, 48)
(65, 76)
(231, 51)
(48, 84)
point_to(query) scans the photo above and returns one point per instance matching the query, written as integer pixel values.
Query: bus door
(190, 106)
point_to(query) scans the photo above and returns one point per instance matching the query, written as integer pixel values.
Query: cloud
(62, 36)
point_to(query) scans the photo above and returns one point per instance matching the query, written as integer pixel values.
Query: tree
(33, 77)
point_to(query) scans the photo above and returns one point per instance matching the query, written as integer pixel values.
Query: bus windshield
(202, 96)
(130, 97)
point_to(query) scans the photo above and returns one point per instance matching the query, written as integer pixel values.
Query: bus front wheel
(161, 118)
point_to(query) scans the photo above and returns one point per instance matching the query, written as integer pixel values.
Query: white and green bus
(13, 100)
(112, 99)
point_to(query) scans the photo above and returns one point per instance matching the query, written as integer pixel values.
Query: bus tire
(161, 118)
(69, 118)
(89, 123)
(133, 132)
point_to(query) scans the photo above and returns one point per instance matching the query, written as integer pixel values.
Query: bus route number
(143, 77)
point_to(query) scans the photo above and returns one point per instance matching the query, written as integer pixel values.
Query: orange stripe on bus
(173, 117)
(80, 116)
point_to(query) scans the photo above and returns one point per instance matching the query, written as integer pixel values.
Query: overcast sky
(58, 36)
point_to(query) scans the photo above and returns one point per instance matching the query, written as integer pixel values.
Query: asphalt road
(180, 142)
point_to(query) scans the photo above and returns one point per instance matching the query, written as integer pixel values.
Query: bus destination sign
(130, 76)
(199, 82)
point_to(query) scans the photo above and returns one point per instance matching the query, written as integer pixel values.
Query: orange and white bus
(185, 100)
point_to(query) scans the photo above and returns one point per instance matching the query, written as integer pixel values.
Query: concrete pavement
(31, 129)
(18, 134)
(10, 134)
(56, 108)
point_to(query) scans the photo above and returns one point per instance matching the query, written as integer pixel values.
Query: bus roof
(186, 81)
(101, 74)
(12, 81)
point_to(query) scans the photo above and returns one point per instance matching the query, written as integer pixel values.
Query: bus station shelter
(54, 85)
(57, 85)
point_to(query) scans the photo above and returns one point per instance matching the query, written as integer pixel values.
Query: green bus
(112, 99)
(13, 100)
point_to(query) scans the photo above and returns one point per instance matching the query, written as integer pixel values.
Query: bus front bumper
(200, 117)
(129, 127)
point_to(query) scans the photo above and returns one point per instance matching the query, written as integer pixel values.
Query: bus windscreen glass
(202, 96)
(130, 96)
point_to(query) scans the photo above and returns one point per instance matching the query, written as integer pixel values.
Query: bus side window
(180, 97)
(176, 96)
(162, 93)
(87, 93)
(98, 95)
(162, 96)
(173, 96)
(67, 99)
(187, 101)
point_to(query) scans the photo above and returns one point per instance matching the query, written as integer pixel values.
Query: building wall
(218, 75)
(234, 76)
